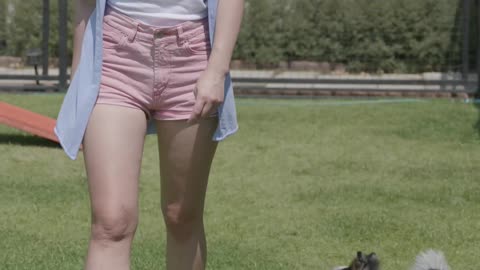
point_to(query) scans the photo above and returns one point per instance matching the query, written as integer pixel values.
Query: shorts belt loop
(179, 34)
(133, 33)
(180, 30)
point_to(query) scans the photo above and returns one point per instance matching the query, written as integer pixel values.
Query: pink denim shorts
(153, 68)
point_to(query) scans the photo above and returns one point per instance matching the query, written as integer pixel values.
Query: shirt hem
(60, 140)
(226, 134)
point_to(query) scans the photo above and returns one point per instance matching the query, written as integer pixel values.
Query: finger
(197, 109)
(207, 109)
(195, 91)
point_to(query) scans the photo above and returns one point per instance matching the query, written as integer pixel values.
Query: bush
(22, 27)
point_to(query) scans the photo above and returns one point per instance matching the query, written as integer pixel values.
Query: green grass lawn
(302, 185)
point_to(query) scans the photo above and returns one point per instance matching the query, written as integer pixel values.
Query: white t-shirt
(161, 12)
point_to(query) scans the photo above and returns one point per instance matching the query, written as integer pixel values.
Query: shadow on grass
(26, 140)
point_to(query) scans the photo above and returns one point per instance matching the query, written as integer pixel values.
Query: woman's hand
(209, 93)
(210, 86)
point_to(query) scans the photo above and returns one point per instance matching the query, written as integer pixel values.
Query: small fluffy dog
(428, 260)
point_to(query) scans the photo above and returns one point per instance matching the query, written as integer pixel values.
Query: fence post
(45, 35)
(466, 40)
(62, 48)
(477, 92)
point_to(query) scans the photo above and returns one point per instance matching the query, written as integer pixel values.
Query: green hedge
(364, 35)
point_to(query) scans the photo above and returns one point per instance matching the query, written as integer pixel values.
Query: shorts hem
(124, 105)
(178, 117)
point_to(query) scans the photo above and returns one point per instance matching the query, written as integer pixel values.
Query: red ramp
(27, 121)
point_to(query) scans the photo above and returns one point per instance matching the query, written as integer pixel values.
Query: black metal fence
(42, 62)
(363, 46)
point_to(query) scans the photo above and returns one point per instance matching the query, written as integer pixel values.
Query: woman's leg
(113, 148)
(186, 153)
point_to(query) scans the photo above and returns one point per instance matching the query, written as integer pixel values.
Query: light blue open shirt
(82, 93)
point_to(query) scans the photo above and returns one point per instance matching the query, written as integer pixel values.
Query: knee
(181, 222)
(115, 226)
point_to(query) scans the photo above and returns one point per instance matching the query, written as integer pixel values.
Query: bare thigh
(113, 148)
(186, 152)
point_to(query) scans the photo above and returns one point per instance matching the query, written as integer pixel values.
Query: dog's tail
(430, 260)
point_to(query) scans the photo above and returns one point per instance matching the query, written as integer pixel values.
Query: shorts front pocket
(198, 43)
(112, 37)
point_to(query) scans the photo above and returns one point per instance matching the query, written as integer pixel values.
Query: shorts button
(158, 34)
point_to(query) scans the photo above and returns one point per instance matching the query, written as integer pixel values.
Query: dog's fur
(428, 260)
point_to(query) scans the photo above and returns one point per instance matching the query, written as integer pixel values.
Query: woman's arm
(210, 85)
(83, 10)
(227, 27)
